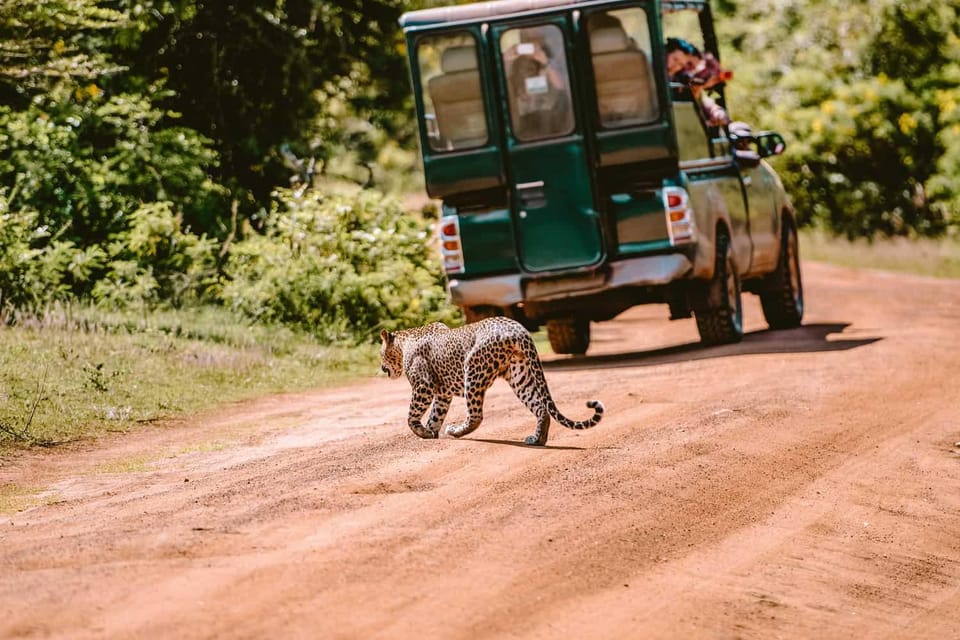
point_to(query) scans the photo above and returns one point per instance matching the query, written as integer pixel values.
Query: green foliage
(155, 261)
(85, 160)
(47, 41)
(34, 269)
(250, 76)
(913, 43)
(944, 186)
(834, 170)
(340, 267)
(81, 139)
(354, 141)
(866, 95)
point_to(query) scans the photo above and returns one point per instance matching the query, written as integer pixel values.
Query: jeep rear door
(551, 187)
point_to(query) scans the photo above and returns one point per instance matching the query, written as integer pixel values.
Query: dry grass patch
(939, 258)
(73, 374)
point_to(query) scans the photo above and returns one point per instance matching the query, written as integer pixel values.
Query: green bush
(35, 268)
(341, 267)
(153, 262)
(832, 171)
(156, 261)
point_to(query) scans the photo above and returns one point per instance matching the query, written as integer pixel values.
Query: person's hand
(539, 55)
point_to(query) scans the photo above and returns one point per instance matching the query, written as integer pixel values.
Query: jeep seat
(458, 99)
(624, 82)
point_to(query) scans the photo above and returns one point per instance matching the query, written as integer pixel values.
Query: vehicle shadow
(808, 338)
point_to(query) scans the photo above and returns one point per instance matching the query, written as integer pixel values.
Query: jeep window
(538, 83)
(692, 135)
(452, 96)
(620, 52)
(696, 140)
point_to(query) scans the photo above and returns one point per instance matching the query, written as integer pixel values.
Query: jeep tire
(569, 335)
(782, 294)
(719, 313)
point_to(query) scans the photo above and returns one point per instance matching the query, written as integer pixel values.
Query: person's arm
(554, 77)
(713, 112)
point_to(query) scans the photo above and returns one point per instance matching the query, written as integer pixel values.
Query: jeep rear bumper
(511, 289)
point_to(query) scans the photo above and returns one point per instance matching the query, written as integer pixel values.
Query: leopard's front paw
(533, 441)
(424, 433)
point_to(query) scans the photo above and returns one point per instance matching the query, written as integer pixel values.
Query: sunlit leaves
(864, 93)
(341, 267)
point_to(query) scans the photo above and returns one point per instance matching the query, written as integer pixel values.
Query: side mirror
(770, 143)
(744, 145)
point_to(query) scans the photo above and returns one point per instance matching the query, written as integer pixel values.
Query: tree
(79, 143)
(866, 96)
(48, 41)
(253, 76)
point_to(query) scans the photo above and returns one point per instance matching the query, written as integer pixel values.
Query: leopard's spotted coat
(441, 362)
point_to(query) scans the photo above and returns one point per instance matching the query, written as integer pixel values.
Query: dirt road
(801, 484)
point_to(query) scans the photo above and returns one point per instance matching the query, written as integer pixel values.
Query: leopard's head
(391, 355)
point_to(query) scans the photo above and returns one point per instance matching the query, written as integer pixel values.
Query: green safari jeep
(578, 181)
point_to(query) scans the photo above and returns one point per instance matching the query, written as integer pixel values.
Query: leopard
(442, 362)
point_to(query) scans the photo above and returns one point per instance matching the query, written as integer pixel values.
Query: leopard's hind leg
(441, 404)
(480, 370)
(526, 381)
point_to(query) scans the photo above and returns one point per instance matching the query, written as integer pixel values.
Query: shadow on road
(520, 443)
(806, 339)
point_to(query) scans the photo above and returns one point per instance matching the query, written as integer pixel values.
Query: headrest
(608, 39)
(459, 59)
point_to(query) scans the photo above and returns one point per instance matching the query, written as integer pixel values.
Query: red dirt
(802, 484)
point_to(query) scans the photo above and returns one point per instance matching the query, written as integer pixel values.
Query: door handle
(532, 195)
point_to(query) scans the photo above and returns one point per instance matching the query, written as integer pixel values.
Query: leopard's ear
(386, 336)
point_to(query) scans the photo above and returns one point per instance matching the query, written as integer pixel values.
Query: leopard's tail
(528, 353)
(596, 405)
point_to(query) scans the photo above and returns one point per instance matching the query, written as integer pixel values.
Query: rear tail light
(680, 222)
(451, 249)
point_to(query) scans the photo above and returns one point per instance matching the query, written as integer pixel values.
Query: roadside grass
(14, 497)
(938, 258)
(135, 464)
(78, 373)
